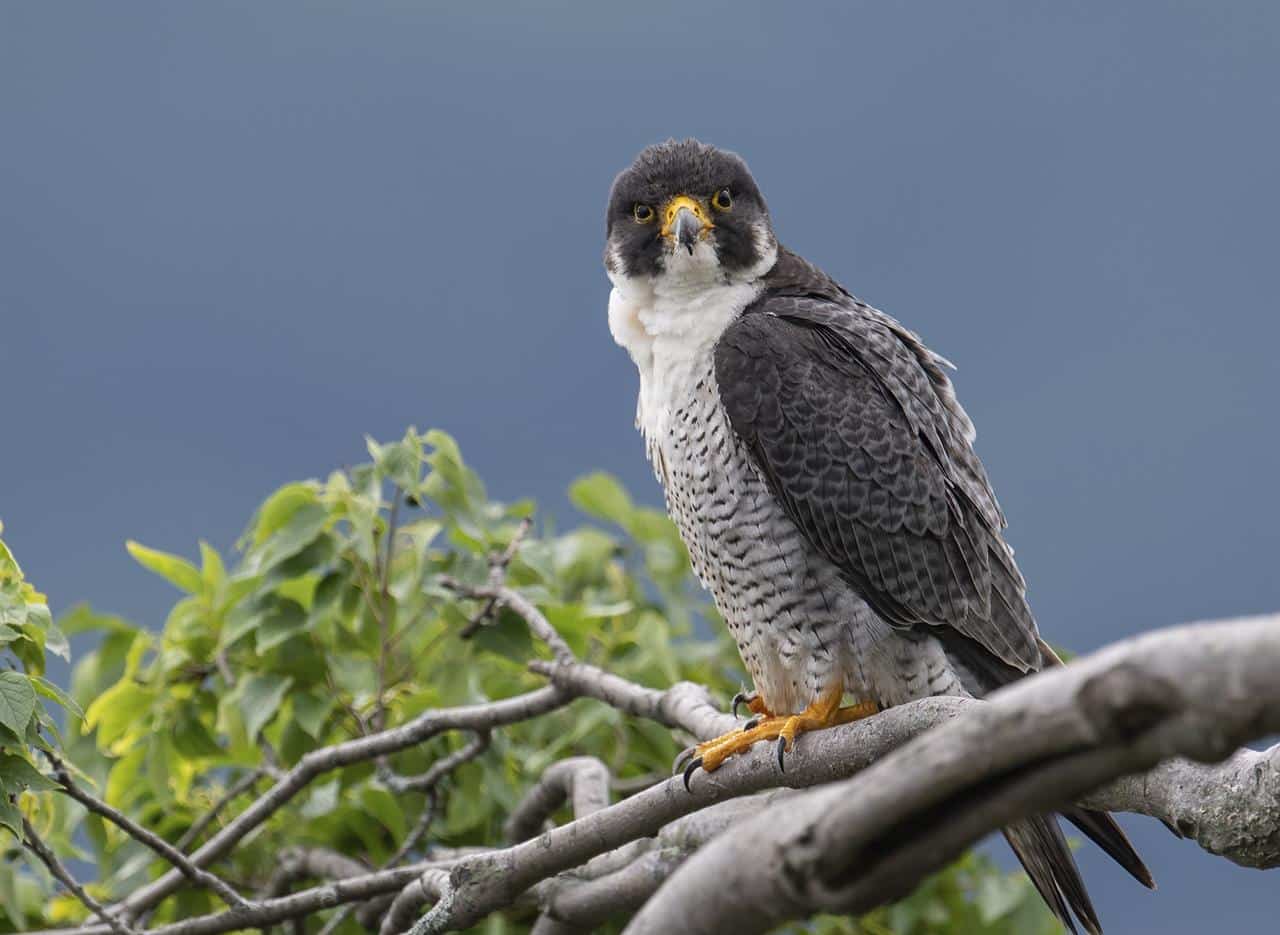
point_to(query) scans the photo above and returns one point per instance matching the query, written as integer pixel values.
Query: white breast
(670, 326)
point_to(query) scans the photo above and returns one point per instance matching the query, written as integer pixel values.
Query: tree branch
(583, 780)
(477, 717)
(148, 838)
(1197, 691)
(63, 876)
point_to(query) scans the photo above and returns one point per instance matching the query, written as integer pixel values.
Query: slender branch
(152, 840)
(63, 876)
(1197, 691)
(384, 621)
(241, 786)
(485, 716)
(683, 705)
(438, 770)
(498, 564)
(521, 605)
(271, 911)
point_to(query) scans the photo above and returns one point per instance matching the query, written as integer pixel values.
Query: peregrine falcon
(820, 469)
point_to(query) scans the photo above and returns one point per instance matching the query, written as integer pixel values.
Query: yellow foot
(824, 712)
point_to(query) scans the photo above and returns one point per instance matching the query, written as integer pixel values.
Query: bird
(821, 471)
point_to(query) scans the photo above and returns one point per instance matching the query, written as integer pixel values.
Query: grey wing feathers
(854, 425)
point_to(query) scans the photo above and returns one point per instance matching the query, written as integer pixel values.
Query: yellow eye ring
(643, 213)
(722, 200)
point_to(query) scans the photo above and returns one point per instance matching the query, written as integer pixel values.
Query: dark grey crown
(686, 167)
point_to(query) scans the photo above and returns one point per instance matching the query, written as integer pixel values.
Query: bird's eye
(722, 200)
(642, 213)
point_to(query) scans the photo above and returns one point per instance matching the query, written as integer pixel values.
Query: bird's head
(687, 210)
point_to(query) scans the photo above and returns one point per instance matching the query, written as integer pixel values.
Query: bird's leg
(825, 711)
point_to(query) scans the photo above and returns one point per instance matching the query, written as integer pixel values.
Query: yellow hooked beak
(685, 220)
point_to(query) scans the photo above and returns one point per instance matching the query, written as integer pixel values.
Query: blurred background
(235, 238)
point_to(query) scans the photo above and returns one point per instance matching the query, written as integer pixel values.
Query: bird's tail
(1040, 846)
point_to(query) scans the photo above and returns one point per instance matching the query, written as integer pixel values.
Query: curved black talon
(688, 773)
(682, 758)
(782, 750)
(754, 722)
(739, 698)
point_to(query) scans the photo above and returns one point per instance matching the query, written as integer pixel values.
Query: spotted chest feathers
(786, 608)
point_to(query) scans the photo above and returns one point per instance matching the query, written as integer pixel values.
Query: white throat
(670, 323)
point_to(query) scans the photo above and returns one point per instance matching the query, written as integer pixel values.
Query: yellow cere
(683, 201)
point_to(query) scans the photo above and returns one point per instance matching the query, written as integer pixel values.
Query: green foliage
(331, 621)
(27, 632)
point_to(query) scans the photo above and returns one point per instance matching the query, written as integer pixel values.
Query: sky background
(236, 237)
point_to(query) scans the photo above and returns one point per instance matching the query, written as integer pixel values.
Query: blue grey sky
(236, 237)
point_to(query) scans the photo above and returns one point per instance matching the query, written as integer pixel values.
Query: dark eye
(642, 213)
(722, 200)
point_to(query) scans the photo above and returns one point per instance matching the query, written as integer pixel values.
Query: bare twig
(438, 770)
(63, 876)
(158, 844)
(498, 564)
(521, 605)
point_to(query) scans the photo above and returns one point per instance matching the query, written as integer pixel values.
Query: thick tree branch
(1197, 691)
(1231, 808)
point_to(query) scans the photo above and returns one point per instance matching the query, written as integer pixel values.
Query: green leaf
(384, 806)
(56, 642)
(44, 687)
(117, 710)
(322, 801)
(398, 461)
(301, 529)
(212, 571)
(280, 507)
(10, 817)
(191, 738)
(176, 570)
(507, 636)
(17, 701)
(282, 620)
(600, 495)
(17, 774)
(311, 711)
(260, 698)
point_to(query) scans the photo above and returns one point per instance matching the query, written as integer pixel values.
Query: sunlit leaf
(176, 570)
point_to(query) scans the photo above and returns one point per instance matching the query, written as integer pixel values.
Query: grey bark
(1197, 691)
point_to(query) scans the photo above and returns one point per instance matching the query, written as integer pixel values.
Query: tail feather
(1103, 831)
(1042, 850)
